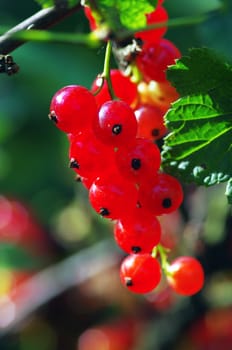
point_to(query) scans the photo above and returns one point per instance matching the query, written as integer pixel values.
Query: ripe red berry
(88, 156)
(123, 88)
(73, 108)
(150, 121)
(155, 58)
(116, 123)
(163, 195)
(159, 15)
(140, 273)
(186, 275)
(139, 160)
(139, 232)
(159, 95)
(112, 196)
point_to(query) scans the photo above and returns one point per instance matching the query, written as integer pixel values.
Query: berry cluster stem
(105, 76)
(162, 252)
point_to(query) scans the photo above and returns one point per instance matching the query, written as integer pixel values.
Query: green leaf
(45, 3)
(199, 146)
(17, 257)
(128, 14)
(51, 3)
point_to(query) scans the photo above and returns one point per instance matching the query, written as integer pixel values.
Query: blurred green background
(34, 169)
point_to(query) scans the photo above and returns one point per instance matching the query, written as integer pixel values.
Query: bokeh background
(59, 284)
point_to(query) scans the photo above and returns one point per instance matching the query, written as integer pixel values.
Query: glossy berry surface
(73, 108)
(186, 275)
(159, 15)
(140, 273)
(139, 160)
(88, 156)
(162, 196)
(123, 87)
(112, 196)
(150, 121)
(116, 123)
(155, 58)
(138, 233)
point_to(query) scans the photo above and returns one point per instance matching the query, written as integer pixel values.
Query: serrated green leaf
(199, 146)
(128, 14)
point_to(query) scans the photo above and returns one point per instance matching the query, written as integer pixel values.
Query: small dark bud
(7, 65)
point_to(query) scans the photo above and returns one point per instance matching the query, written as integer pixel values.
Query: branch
(43, 19)
(53, 281)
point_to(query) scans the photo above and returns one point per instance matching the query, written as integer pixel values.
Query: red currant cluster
(113, 152)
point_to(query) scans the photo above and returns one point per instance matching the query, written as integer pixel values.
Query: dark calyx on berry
(104, 212)
(52, 116)
(117, 129)
(155, 132)
(167, 203)
(136, 163)
(74, 164)
(128, 281)
(78, 178)
(136, 249)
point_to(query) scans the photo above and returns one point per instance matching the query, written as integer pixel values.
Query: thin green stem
(163, 253)
(48, 36)
(106, 71)
(171, 23)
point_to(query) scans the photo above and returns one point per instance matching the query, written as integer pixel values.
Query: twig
(43, 19)
(54, 280)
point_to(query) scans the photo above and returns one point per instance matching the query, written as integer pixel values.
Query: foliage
(33, 167)
(198, 147)
(50, 3)
(125, 13)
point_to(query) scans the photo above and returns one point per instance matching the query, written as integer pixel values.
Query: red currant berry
(163, 195)
(88, 156)
(123, 88)
(112, 196)
(140, 273)
(73, 108)
(139, 160)
(116, 123)
(159, 15)
(150, 121)
(155, 58)
(138, 233)
(186, 275)
(159, 95)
